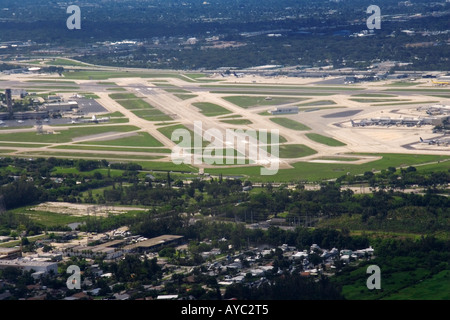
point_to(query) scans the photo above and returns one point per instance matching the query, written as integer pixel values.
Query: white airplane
(76, 95)
(95, 120)
(438, 142)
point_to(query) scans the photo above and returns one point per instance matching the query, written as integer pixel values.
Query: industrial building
(109, 250)
(61, 106)
(154, 243)
(28, 265)
(290, 110)
(30, 115)
(10, 253)
(115, 249)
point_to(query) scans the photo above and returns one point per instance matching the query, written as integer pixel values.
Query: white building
(40, 267)
(289, 110)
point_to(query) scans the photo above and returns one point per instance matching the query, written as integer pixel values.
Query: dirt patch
(80, 210)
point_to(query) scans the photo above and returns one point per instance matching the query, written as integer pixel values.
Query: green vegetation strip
(309, 171)
(237, 121)
(91, 155)
(152, 115)
(404, 103)
(211, 109)
(117, 96)
(241, 86)
(273, 93)
(113, 149)
(140, 139)
(23, 145)
(377, 100)
(65, 135)
(290, 124)
(295, 151)
(325, 140)
(317, 103)
(247, 102)
(65, 62)
(186, 96)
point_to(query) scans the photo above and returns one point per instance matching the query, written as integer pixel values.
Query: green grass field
(51, 81)
(134, 104)
(434, 288)
(22, 145)
(338, 159)
(152, 114)
(62, 136)
(185, 96)
(248, 102)
(295, 151)
(104, 75)
(53, 87)
(374, 100)
(52, 219)
(290, 124)
(317, 103)
(315, 172)
(65, 62)
(114, 149)
(390, 284)
(119, 96)
(141, 139)
(167, 131)
(211, 109)
(116, 89)
(176, 90)
(374, 95)
(237, 121)
(284, 87)
(98, 156)
(404, 103)
(325, 140)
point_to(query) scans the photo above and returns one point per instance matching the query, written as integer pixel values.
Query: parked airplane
(95, 120)
(438, 142)
(441, 83)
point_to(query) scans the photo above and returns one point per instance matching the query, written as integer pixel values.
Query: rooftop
(153, 242)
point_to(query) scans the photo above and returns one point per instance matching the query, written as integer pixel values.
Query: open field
(435, 288)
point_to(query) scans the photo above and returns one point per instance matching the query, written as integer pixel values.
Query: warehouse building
(28, 265)
(154, 243)
(61, 106)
